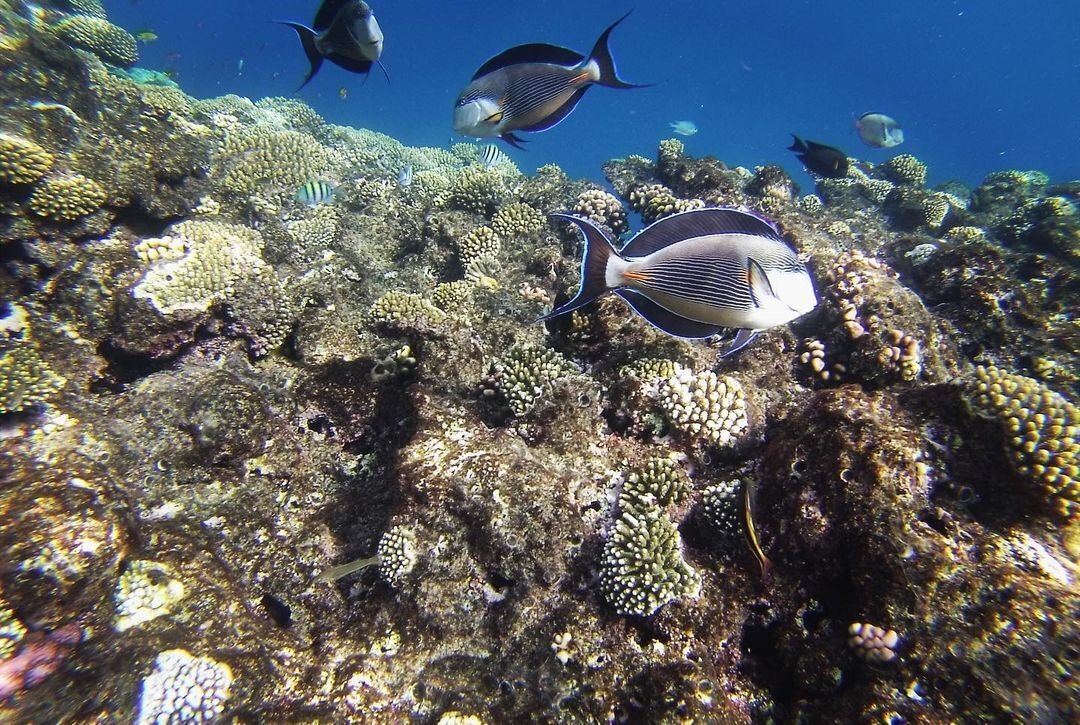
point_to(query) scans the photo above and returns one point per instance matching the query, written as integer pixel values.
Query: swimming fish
(751, 533)
(145, 35)
(695, 273)
(343, 93)
(404, 177)
(492, 156)
(314, 192)
(532, 87)
(346, 33)
(684, 128)
(821, 159)
(879, 131)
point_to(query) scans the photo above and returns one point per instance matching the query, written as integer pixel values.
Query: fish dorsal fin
(698, 223)
(326, 13)
(666, 320)
(530, 53)
(760, 287)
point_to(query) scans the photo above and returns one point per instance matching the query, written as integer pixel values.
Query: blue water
(978, 86)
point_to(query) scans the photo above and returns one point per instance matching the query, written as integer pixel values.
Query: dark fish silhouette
(821, 159)
(532, 87)
(346, 33)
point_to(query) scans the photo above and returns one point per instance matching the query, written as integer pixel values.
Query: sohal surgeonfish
(532, 87)
(821, 159)
(697, 273)
(346, 33)
(879, 131)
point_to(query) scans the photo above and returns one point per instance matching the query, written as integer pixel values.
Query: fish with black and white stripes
(532, 87)
(697, 273)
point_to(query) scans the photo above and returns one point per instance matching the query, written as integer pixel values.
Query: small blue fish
(684, 128)
(404, 177)
(697, 273)
(313, 193)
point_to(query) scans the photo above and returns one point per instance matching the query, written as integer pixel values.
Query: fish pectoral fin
(743, 338)
(760, 287)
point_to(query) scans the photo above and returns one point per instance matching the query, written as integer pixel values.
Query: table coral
(109, 42)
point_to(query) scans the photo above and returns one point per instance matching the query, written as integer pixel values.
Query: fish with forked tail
(823, 160)
(697, 273)
(346, 33)
(532, 87)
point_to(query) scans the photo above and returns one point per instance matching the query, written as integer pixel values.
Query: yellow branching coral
(25, 379)
(517, 220)
(481, 242)
(22, 161)
(109, 42)
(261, 157)
(67, 198)
(905, 169)
(405, 312)
(1043, 430)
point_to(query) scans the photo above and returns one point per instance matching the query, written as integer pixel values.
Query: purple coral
(39, 656)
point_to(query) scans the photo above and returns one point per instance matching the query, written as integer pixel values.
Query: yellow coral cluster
(602, 208)
(655, 201)
(109, 42)
(22, 161)
(25, 378)
(1043, 429)
(905, 169)
(261, 157)
(480, 243)
(405, 311)
(476, 189)
(67, 198)
(517, 220)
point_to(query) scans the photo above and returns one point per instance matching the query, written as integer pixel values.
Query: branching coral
(525, 373)
(22, 161)
(517, 220)
(109, 42)
(67, 198)
(704, 406)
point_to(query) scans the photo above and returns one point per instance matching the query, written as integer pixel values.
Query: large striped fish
(532, 87)
(697, 273)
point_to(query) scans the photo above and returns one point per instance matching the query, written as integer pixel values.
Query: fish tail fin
(594, 262)
(311, 50)
(601, 55)
(799, 145)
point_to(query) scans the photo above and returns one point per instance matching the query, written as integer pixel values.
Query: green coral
(475, 189)
(109, 42)
(660, 482)
(452, 296)
(67, 198)
(602, 208)
(22, 161)
(317, 230)
(905, 169)
(655, 201)
(935, 208)
(704, 407)
(642, 568)
(481, 242)
(262, 158)
(526, 373)
(405, 312)
(517, 220)
(1043, 430)
(25, 378)
(650, 368)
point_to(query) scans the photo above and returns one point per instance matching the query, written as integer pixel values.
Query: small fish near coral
(532, 87)
(697, 273)
(314, 192)
(822, 160)
(346, 33)
(879, 131)
(492, 156)
(405, 176)
(145, 35)
(684, 128)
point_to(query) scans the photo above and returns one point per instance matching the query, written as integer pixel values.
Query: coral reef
(109, 42)
(211, 395)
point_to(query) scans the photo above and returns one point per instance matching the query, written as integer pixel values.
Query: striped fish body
(492, 156)
(532, 88)
(698, 273)
(313, 193)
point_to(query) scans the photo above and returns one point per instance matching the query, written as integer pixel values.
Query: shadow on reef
(210, 393)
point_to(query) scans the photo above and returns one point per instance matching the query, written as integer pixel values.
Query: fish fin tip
(605, 61)
(742, 338)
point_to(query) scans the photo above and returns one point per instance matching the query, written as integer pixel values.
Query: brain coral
(67, 198)
(1043, 429)
(109, 42)
(22, 161)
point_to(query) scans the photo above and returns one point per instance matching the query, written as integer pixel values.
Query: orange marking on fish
(636, 276)
(580, 77)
